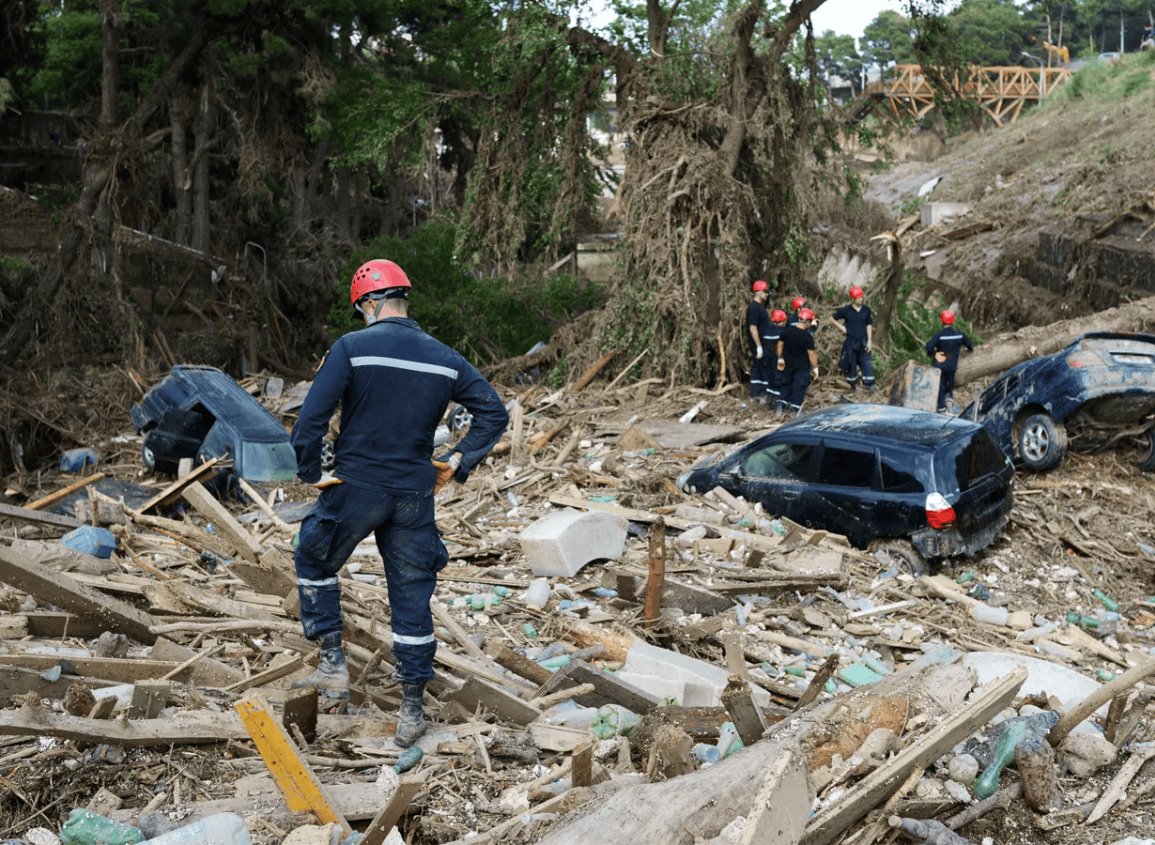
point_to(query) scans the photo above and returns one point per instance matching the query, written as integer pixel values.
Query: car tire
(147, 456)
(1147, 464)
(901, 553)
(1042, 443)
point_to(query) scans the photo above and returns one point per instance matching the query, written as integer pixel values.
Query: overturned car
(920, 485)
(1098, 390)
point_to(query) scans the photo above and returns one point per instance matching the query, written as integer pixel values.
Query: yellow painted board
(302, 790)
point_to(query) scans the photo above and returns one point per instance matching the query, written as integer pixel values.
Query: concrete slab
(562, 543)
(933, 213)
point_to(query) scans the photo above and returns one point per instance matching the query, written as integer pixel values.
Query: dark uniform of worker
(393, 383)
(797, 304)
(770, 344)
(798, 361)
(943, 349)
(757, 325)
(857, 323)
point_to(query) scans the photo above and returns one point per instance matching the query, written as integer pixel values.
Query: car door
(777, 475)
(842, 497)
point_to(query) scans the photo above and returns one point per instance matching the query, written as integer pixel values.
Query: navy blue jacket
(394, 382)
(949, 341)
(855, 321)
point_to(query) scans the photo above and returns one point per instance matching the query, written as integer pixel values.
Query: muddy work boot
(331, 677)
(411, 716)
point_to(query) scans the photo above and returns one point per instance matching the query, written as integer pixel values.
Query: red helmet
(947, 318)
(857, 293)
(378, 274)
(797, 302)
(805, 314)
(760, 285)
(778, 316)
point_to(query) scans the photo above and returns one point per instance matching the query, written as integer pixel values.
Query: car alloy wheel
(1042, 442)
(901, 554)
(1147, 464)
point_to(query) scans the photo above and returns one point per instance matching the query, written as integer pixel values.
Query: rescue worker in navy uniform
(857, 323)
(796, 305)
(943, 349)
(770, 344)
(758, 325)
(393, 383)
(798, 361)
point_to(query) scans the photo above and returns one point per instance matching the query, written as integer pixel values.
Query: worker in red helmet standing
(797, 361)
(758, 325)
(943, 349)
(393, 383)
(770, 344)
(857, 323)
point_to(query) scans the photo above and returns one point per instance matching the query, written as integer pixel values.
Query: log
(1033, 341)
(592, 372)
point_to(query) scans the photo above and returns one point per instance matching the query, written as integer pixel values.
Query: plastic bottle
(217, 829)
(537, 593)
(1012, 735)
(928, 831)
(1106, 600)
(409, 758)
(85, 827)
(988, 615)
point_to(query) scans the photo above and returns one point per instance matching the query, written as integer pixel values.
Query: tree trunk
(344, 187)
(890, 290)
(181, 182)
(1033, 341)
(202, 196)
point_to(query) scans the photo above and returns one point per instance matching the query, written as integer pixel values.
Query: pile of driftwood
(804, 691)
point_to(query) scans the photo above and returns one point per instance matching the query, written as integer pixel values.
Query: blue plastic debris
(75, 460)
(98, 542)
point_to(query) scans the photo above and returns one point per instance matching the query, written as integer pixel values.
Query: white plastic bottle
(217, 829)
(537, 593)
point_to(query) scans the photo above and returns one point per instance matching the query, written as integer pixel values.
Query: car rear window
(972, 459)
(899, 479)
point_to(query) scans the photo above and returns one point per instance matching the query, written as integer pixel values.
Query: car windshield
(269, 461)
(968, 460)
(787, 461)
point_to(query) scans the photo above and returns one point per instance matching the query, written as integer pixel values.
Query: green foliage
(915, 322)
(70, 72)
(838, 55)
(888, 39)
(485, 318)
(1107, 81)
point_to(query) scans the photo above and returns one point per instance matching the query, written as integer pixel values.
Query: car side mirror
(730, 475)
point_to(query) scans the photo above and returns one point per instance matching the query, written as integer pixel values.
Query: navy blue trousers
(410, 547)
(760, 375)
(794, 387)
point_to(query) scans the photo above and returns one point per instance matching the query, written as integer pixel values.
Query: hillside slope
(1068, 193)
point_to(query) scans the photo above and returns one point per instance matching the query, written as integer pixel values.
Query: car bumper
(951, 542)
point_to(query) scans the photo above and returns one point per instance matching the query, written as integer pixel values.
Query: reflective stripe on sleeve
(402, 364)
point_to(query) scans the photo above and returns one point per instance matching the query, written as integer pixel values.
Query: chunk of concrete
(562, 543)
(661, 672)
(933, 213)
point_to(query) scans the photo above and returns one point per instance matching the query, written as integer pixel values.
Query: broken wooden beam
(24, 571)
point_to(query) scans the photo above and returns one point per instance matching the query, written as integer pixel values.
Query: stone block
(562, 543)
(933, 213)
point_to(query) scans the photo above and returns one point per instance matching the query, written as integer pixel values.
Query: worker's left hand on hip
(444, 475)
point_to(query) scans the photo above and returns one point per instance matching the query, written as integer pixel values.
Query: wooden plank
(672, 434)
(64, 492)
(205, 672)
(608, 689)
(356, 801)
(394, 808)
(173, 491)
(226, 524)
(40, 517)
(829, 825)
(148, 699)
(519, 664)
(17, 681)
(116, 670)
(780, 807)
(296, 780)
(53, 624)
(738, 699)
(505, 704)
(24, 572)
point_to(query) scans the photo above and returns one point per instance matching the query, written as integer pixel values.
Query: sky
(850, 17)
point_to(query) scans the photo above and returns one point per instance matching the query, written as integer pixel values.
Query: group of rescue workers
(784, 357)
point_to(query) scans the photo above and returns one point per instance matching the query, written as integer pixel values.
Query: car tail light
(939, 513)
